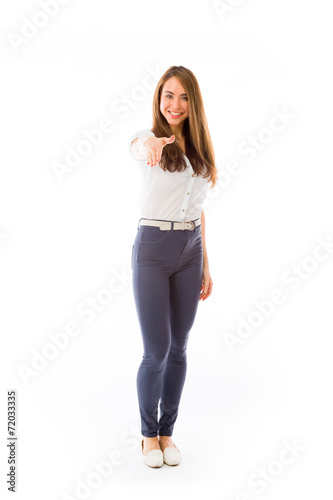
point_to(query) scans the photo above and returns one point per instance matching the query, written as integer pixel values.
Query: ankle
(150, 444)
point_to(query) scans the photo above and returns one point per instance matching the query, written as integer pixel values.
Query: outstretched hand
(154, 147)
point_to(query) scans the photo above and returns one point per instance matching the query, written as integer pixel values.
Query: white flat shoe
(172, 456)
(154, 458)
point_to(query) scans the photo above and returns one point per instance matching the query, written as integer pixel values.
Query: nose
(177, 102)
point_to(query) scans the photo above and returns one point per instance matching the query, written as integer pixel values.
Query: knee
(178, 355)
(157, 359)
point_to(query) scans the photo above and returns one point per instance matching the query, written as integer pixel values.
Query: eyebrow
(172, 92)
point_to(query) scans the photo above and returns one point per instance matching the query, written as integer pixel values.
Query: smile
(175, 114)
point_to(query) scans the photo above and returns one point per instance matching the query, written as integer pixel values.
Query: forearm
(138, 147)
(203, 239)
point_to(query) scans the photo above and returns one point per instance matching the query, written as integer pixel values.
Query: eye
(170, 96)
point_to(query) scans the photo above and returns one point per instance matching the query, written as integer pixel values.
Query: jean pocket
(152, 234)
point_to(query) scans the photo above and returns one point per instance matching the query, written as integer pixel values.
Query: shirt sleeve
(139, 133)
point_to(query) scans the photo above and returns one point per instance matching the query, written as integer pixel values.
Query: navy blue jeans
(167, 270)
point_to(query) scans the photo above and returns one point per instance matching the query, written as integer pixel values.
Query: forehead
(174, 85)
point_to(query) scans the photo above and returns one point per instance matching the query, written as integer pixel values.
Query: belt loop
(139, 223)
(195, 227)
(172, 227)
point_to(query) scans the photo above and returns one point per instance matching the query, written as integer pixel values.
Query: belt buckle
(189, 225)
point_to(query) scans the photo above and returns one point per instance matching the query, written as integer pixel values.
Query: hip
(169, 247)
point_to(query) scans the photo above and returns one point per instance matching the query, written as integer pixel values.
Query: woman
(169, 257)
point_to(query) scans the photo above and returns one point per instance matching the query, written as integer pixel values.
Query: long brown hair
(198, 143)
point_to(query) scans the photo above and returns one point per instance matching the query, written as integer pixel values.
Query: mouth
(175, 115)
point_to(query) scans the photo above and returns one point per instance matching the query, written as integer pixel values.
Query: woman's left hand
(207, 284)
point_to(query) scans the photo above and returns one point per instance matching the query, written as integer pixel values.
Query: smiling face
(174, 104)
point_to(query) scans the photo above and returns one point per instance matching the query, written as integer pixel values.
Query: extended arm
(138, 149)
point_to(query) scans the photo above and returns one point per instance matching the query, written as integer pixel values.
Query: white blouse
(176, 196)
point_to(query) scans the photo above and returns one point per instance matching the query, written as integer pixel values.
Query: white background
(63, 241)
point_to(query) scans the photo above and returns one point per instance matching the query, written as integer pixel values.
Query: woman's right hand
(154, 147)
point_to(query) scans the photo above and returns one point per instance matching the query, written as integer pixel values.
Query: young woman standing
(169, 257)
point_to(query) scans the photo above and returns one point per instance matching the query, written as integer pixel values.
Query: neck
(177, 130)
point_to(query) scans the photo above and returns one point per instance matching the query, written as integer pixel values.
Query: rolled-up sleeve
(139, 133)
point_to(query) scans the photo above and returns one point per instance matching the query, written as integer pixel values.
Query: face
(174, 100)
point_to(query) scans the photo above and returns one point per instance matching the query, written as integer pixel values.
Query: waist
(167, 225)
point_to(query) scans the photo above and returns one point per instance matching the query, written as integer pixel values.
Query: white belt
(166, 225)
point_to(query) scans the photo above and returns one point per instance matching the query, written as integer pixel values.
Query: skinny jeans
(167, 268)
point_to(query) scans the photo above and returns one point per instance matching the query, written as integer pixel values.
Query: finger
(209, 291)
(157, 159)
(205, 291)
